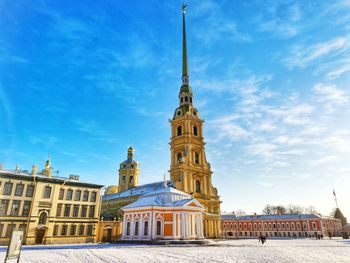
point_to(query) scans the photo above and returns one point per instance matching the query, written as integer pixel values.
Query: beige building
(50, 209)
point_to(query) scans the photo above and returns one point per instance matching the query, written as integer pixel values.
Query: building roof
(269, 217)
(136, 191)
(24, 175)
(166, 197)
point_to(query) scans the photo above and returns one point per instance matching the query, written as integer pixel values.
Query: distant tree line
(282, 210)
(290, 209)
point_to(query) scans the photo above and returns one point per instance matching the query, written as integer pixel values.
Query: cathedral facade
(190, 172)
(189, 169)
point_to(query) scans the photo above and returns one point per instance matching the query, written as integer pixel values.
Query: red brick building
(289, 225)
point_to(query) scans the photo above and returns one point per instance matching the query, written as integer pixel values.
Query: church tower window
(195, 130)
(196, 158)
(179, 130)
(198, 186)
(182, 99)
(131, 179)
(179, 158)
(186, 99)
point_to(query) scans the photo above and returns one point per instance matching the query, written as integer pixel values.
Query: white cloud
(303, 55)
(262, 149)
(330, 94)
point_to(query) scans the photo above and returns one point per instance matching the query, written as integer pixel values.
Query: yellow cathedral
(190, 171)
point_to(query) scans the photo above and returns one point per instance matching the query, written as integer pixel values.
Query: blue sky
(80, 80)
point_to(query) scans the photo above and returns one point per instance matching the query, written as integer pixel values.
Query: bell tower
(129, 172)
(189, 170)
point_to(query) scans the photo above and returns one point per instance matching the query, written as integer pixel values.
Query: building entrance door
(39, 236)
(107, 235)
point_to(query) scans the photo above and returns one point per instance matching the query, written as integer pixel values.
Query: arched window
(198, 186)
(182, 99)
(128, 228)
(179, 158)
(179, 130)
(42, 218)
(159, 228)
(196, 158)
(195, 130)
(145, 228)
(314, 227)
(186, 99)
(136, 228)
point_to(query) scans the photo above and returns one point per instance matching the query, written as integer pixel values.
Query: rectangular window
(61, 194)
(47, 192)
(9, 229)
(59, 210)
(136, 228)
(69, 194)
(73, 229)
(26, 208)
(145, 228)
(198, 186)
(7, 188)
(195, 130)
(1, 229)
(128, 228)
(15, 207)
(179, 130)
(86, 196)
(77, 195)
(81, 230)
(89, 230)
(131, 178)
(22, 227)
(64, 230)
(3, 207)
(67, 210)
(196, 158)
(159, 228)
(76, 211)
(92, 211)
(19, 190)
(30, 190)
(93, 197)
(83, 210)
(55, 230)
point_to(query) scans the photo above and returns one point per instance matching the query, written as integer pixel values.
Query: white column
(174, 225)
(188, 225)
(193, 226)
(178, 225)
(132, 227)
(153, 226)
(124, 227)
(183, 225)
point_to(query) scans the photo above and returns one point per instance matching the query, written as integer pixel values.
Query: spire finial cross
(184, 7)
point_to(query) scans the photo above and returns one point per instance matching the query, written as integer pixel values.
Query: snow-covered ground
(248, 250)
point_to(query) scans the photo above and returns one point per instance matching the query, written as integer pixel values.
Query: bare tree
(267, 210)
(295, 209)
